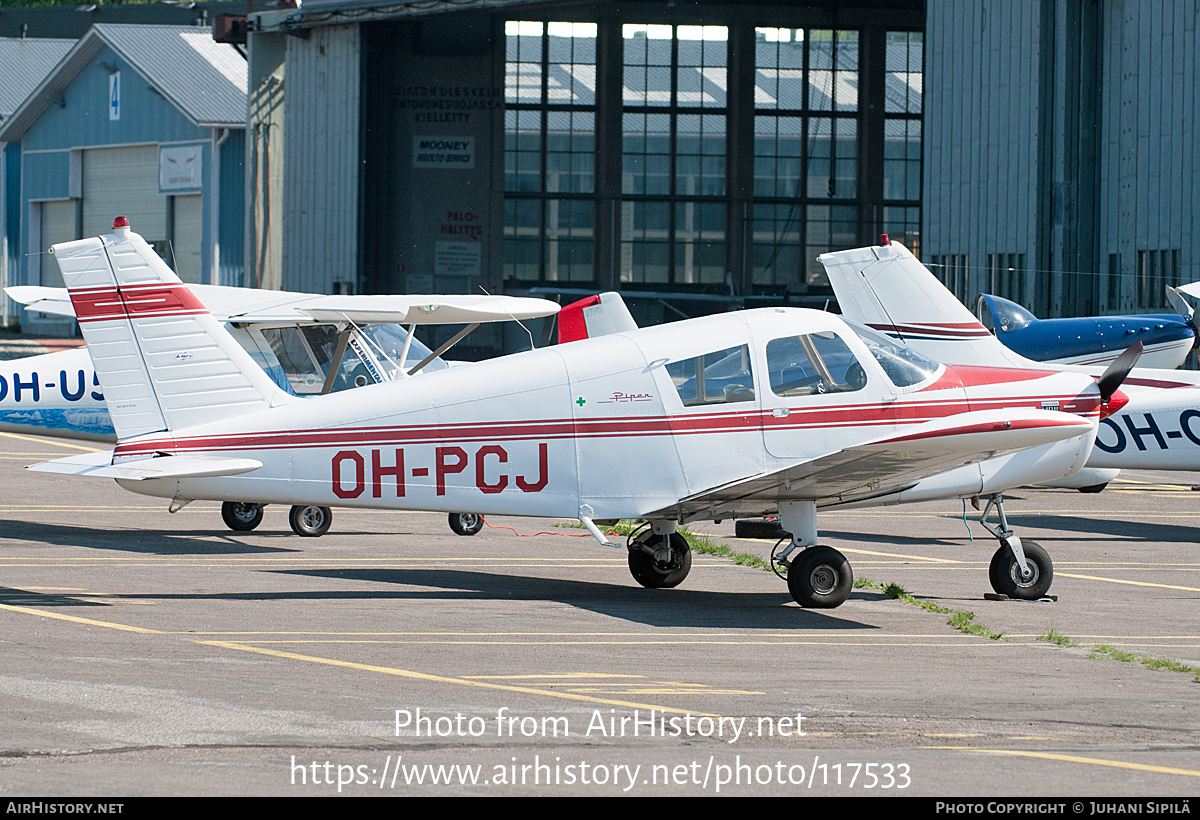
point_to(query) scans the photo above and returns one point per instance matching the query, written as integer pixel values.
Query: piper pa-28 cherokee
(748, 413)
(308, 344)
(888, 289)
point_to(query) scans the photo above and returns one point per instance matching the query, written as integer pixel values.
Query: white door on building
(58, 225)
(123, 182)
(185, 239)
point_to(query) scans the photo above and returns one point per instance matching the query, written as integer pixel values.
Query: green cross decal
(581, 401)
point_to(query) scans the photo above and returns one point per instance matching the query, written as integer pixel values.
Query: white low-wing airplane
(888, 289)
(749, 413)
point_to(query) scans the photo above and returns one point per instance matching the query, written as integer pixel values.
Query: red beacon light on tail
(883, 240)
(120, 222)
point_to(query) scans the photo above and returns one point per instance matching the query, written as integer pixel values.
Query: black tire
(241, 516)
(820, 578)
(1005, 573)
(653, 575)
(1095, 488)
(758, 528)
(466, 523)
(309, 520)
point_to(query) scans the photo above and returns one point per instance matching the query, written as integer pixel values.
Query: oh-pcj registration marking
(349, 470)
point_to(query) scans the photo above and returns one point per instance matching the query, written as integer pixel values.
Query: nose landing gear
(1021, 571)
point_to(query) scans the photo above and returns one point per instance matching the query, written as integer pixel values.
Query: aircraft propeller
(1116, 372)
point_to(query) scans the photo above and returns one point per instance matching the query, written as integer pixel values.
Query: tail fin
(889, 289)
(594, 316)
(162, 359)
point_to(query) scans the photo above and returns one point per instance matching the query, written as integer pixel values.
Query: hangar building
(695, 156)
(1062, 164)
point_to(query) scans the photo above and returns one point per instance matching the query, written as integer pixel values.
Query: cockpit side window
(721, 377)
(813, 363)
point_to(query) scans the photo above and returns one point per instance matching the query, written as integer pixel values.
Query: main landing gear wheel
(1005, 573)
(240, 516)
(466, 523)
(653, 573)
(820, 578)
(310, 521)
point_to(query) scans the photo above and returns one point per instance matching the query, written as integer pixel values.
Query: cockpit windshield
(903, 365)
(297, 357)
(1000, 314)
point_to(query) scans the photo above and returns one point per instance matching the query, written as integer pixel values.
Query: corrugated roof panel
(23, 64)
(205, 79)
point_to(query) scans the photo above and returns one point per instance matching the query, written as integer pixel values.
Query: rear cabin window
(721, 377)
(811, 364)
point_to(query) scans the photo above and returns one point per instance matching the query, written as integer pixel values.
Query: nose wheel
(1018, 570)
(1008, 579)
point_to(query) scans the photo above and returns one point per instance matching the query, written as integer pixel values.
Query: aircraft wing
(426, 310)
(250, 306)
(887, 465)
(99, 465)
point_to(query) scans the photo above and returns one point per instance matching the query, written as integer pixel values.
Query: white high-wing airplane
(308, 344)
(888, 289)
(749, 413)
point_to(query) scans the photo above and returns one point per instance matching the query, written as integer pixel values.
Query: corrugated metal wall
(320, 167)
(1011, 160)
(1150, 114)
(981, 126)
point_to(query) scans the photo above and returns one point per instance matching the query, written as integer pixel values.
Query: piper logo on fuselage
(388, 470)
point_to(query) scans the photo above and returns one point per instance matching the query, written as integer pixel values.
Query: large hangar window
(673, 168)
(904, 95)
(806, 112)
(724, 168)
(550, 151)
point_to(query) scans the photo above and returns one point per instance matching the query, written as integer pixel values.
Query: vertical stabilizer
(888, 288)
(162, 359)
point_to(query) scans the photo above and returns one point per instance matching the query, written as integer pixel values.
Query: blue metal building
(142, 121)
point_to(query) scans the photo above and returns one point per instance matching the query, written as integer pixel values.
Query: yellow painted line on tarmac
(52, 442)
(1095, 761)
(1122, 581)
(563, 676)
(657, 642)
(360, 666)
(75, 619)
(404, 673)
(1090, 638)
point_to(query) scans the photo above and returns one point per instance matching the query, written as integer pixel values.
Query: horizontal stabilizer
(99, 465)
(51, 301)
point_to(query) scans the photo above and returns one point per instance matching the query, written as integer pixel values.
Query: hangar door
(57, 225)
(124, 182)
